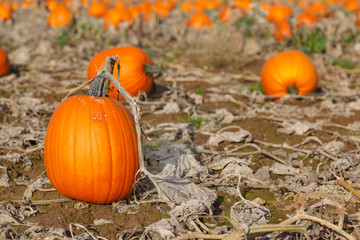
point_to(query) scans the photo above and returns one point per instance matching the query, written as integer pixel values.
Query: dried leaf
(102, 221)
(4, 179)
(238, 136)
(169, 108)
(281, 169)
(298, 127)
(36, 185)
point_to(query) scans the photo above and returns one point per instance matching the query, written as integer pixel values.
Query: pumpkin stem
(292, 90)
(100, 85)
(151, 69)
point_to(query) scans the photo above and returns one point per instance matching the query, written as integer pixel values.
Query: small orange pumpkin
(351, 5)
(134, 11)
(319, 10)
(61, 16)
(186, 6)
(278, 13)
(5, 11)
(287, 69)
(115, 16)
(97, 9)
(244, 5)
(133, 75)
(4, 63)
(306, 19)
(90, 150)
(52, 4)
(199, 21)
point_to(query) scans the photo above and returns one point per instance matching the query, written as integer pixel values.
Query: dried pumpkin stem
(342, 182)
(134, 109)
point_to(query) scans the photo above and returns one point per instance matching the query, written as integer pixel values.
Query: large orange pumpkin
(133, 75)
(91, 151)
(287, 69)
(4, 63)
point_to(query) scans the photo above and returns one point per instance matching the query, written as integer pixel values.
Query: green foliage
(257, 87)
(246, 24)
(196, 121)
(199, 91)
(153, 145)
(343, 63)
(6, 45)
(309, 40)
(249, 20)
(62, 38)
(348, 36)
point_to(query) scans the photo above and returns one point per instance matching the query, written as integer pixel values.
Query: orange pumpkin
(115, 16)
(287, 69)
(278, 13)
(4, 63)
(5, 11)
(306, 19)
(212, 4)
(134, 11)
(133, 75)
(97, 9)
(351, 5)
(61, 16)
(161, 9)
(199, 21)
(200, 5)
(319, 10)
(244, 5)
(145, 7)
(186, 6)
(52, 4)
(90, 149)
(120, 5)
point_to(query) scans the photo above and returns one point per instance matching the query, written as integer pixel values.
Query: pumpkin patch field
(179, 119)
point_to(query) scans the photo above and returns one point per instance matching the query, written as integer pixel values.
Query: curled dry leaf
(299, 127)
(4, 178)
(102, 221)
(220, 164)
(249, 215)
(7, 218)
(190, 208)
(167, 228)
(234, 170)
(282, 169)
(169, 108)
(36, 185)
(178, 190)
(334, 147)
(238, 136)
